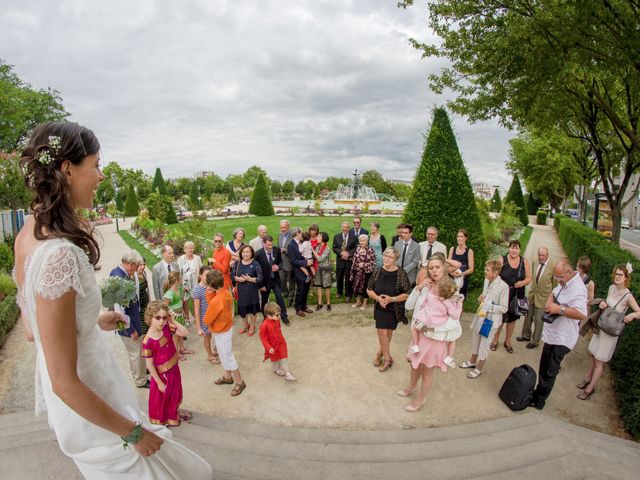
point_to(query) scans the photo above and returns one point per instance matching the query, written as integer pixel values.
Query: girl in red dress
(159, 351)
(275, 346)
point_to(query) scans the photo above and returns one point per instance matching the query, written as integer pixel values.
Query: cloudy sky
(301, 88)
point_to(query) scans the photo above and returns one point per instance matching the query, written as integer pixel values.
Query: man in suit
(357, 229)
(541, 286)
(258, 242)
(132, 336)
(408, 253)
(161, 271)
(344, 246)
(270, 260)
(431, 246)
(286, 272)
(298, 261)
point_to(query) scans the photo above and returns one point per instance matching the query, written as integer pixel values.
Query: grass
(329, 224)
(132, 243)
(524, 238)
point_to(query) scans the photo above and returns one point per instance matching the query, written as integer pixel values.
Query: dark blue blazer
(133, 310)
(363, 231)
(297, 260)
(263, 260)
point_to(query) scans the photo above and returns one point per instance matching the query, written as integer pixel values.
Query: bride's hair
(49, 146)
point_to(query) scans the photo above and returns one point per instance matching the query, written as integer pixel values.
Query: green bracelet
(134, 437)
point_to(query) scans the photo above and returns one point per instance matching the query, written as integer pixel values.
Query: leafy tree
(170, 216)
(288, 188)
(184, 185)
(496, 201)
(514, 195)
(276, 187)
(232, 197)
(120, 199)
(194, 197)
(155, 206)
(158, 184)
(374, 179)
(250, 177)
(22, 108)
(131, 206)
(260, 204)
(442, 195)
(331, 184)
(211, 184)
(13, 190)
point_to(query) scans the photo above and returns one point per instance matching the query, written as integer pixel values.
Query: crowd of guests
(399, 277)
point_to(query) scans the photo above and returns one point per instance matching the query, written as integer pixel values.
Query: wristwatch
(562, 311)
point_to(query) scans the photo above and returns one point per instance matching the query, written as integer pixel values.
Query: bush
(515, 195)
(260, 205)
(442, 195)
(9, 313)
(7, 286)
(541, 217)
(6, 258)
(577, 241)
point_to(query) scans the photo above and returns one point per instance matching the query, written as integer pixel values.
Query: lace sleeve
(60, 273)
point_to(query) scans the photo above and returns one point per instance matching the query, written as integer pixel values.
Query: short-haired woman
(494, 303)
(602, 345)
(247, 276)
(322, 280)
(363, 263)
(235, 244)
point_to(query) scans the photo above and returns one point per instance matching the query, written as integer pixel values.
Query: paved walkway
(331, 354)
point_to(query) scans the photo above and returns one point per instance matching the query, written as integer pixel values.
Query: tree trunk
(616, 217)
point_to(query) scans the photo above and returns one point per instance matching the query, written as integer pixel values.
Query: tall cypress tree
(260, 204)
(515, 196)
(131, 206)
(169, 212)
(158, 183)
(442, 195)
(194, 201)
(496, 201)
(120, 201)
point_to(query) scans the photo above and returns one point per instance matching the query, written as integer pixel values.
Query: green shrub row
(541, 217)
(577, 241)
(8, 316)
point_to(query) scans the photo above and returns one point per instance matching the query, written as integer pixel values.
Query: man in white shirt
(431, 246)
(569, 301)
(161, 271)
(258, 242)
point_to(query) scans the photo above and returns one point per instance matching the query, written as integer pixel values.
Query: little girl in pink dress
(434, 312)
(159, 351)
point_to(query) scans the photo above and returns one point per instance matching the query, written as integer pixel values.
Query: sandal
(387, 365)
(184, 351)
(243, 330)
(405, 392)
(412, 408)
(237, 390)
(377, 360)
(584, 395)
(252, 331)
(509, 348)
(583, 384)
(185, 415)
(214, 359)
(475, 373)
(493, 347)
(224, 381)
(467, 364)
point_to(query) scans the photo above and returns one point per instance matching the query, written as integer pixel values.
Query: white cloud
(299, 87)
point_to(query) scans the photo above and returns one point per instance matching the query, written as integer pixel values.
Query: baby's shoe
(279, 372)
(450, 361)
(289, 378)
(416, 349)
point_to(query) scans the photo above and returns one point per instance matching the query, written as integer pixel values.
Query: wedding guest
(463, 254)
(298, 262)
(322, 281)
(431, 246)
(344, 246)
(286, 273)
(161, 270)
(408, 250)
(143, 290)
(363, 263)
(220, 259)
(258, 242)
(235, 244)
(247, 278)
(189, 264)
(270, 260)
(584, 267)
(377, 242)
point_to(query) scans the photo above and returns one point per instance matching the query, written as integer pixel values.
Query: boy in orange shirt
(219, 319)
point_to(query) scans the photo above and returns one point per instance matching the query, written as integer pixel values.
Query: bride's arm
(56, 324)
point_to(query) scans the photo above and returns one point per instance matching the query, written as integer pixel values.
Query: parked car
(624, 223)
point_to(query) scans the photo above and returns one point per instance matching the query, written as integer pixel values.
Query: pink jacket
(435, 311)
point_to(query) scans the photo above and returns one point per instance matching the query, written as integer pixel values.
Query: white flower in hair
(629, 268)
(54, 142)
(44, 156)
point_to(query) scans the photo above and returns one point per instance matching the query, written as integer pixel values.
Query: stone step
(41, 460)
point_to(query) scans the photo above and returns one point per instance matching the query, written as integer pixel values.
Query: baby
(307, 252)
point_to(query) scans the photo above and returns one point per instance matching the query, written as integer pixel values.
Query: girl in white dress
(603, 345)
(91, 405)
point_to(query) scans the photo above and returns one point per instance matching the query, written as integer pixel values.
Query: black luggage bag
(518, 388)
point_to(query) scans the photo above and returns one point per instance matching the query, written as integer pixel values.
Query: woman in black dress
(463, 254)
(143, 289)
(246, 276)
(516, 272)
(389, 287)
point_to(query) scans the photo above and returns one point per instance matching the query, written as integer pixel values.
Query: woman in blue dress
(377, 242)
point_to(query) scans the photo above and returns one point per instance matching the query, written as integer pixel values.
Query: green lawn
(328, 224)
(132, 243)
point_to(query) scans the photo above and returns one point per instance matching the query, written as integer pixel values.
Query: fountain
(355, 193)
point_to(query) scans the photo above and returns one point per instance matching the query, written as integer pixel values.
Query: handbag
(485, 329)
(591, 323)
(611, 321)
(552, 317)
(519, 306)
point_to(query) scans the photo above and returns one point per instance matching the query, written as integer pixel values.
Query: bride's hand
(148, 444)
(108, 320)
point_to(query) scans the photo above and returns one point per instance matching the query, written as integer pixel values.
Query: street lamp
(115, 190)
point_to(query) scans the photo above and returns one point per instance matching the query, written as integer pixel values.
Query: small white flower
(44, 158)
(54, 142)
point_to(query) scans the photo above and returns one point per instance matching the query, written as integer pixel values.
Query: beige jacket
(539, 291)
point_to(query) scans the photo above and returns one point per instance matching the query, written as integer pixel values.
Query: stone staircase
(530, 445)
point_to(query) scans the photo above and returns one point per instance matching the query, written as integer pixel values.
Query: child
(275, 346)
(200, 308)
(307, 252)
(173, 299)
(219, 319)
(165, 392)
(435, 312)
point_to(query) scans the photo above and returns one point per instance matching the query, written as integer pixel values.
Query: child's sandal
(238, 389)
(584, 395)
(224, 381)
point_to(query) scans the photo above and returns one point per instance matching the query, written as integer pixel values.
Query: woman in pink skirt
(431, 351)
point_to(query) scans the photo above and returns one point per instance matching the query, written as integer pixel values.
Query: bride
(91, 405)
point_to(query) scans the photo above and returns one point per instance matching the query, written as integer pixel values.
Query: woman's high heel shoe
(377, 361)
(411, 408)
(387, 365)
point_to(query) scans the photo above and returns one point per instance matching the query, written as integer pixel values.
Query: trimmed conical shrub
(260, 204)
(120, 201)
(169, 212)
(515, 196)
(158, 184)
(442, 195)
(496, 201)
(131, 206)
(194, 201)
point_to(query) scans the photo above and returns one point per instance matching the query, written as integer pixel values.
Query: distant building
(484, 190)
(204, 174)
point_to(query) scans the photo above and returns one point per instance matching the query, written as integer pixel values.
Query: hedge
(541, 217)
(9, 313)
(577, 241)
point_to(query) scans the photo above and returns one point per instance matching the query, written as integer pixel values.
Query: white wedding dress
(55, 267)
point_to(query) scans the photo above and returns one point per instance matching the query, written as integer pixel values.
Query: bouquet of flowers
(118, 293)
